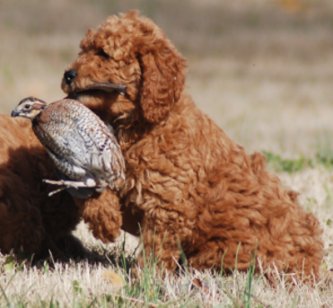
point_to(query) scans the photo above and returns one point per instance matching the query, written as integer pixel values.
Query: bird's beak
(14, 113)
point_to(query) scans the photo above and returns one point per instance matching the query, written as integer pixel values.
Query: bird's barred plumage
(80, 144)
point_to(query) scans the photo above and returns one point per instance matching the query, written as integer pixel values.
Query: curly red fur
(189, 186)
(31, 222)
(103, 221)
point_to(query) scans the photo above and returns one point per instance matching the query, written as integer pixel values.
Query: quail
(82, 147)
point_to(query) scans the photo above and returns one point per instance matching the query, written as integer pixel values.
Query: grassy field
(262, 69)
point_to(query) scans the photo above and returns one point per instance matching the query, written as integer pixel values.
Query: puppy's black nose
(69, 76)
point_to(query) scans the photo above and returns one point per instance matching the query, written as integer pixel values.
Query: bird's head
(29, 107)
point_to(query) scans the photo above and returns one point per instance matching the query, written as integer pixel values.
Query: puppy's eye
(102, 53)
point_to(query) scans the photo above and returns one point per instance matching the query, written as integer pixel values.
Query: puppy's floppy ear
(162, 69)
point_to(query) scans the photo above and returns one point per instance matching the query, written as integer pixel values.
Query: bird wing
(65, 146)
(77, 136)
(105, 157)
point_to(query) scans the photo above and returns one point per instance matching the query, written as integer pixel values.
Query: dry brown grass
(261, 70)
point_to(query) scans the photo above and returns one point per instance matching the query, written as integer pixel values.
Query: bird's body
(82, 147)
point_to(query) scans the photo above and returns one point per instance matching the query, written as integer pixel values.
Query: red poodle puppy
(189, 187)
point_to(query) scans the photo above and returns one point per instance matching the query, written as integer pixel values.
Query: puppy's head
(127, 69)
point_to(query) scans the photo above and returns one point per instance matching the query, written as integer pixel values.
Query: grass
(83, 285)
(248, 286)
(262, 72)
(80, 284)
(288, 165)
(281, 164)
(278, 163)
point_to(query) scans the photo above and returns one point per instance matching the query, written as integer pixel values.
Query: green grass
(248, 285)
(281, 164)
(278, 163)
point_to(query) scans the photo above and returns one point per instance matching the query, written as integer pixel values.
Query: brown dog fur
(31, 223)
(189, 186)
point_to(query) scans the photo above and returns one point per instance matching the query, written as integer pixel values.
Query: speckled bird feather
(79, 143)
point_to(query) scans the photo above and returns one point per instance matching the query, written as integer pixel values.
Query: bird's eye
(26, 107)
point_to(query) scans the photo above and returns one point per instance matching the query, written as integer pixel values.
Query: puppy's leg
(103, 215)
(160, 245)
(221, 255)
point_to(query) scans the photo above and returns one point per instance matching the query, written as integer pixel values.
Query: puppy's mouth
(100, 87)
